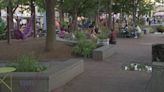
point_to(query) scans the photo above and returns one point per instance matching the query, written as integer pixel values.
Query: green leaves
(104, 33)
(2, 26)
(160, 1)
(160, 28)
(82, 7)
(27, 63)
(127, 6)
(79, 36)
(84, 47)
(5, 3)
(41, 5)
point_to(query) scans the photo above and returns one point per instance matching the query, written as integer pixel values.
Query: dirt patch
(35, 47)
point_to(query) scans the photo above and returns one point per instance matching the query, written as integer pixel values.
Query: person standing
(112, 37)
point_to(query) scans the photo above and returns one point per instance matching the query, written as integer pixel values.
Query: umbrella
(159, 14)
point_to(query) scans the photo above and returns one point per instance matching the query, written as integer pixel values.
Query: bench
(103, 52)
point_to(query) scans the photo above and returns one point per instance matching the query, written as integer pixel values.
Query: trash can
(157, 79)
(158, 53)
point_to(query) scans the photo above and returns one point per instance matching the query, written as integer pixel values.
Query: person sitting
(112, 37)
(61, 33)
(93, 34)
(126, 32)
(19, 33)
(137, 31)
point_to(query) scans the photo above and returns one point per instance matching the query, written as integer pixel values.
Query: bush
(2, 26)
(63, 24)
(27, 63)
(84, 48)
(160, 28)
(104, 33)
(2, 29)
(80, 35)
(150, 29)
(141, 22)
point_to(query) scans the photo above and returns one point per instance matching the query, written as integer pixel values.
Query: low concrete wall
(104, 52)
(57, 74)
(157, 82)
(66, 41)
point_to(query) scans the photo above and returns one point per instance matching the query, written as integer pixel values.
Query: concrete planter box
(157, 81)
(57, 75)
(104, 52)
(103, 41)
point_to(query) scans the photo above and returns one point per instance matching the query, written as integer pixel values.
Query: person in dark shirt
(112, 37)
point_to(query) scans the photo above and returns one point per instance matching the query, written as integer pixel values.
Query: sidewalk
(109, 76)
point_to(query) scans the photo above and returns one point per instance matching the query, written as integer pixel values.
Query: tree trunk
(97, 13)
(61, 12)
(9, 22)
(134, 14)
(61, 15)
(50, 14)
(110, 14)
(33, 17)
(0, 12)
(75, 21)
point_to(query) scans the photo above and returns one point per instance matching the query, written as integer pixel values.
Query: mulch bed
(35, 47)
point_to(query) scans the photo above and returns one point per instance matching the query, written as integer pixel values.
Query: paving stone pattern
(109, 76)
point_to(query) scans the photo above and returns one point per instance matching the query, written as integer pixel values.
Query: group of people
(131, 31)
(153, 20)
(92, 32)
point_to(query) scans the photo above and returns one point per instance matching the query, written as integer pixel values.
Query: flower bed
(138, 67)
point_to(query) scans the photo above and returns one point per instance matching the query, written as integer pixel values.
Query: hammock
(26, 31)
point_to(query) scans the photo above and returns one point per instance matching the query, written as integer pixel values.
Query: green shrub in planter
(2, 26)
(150, 29)
(80, 35)
(84, 48)
(27, 63)
(104, 33)
(2, 29)
(160, 28)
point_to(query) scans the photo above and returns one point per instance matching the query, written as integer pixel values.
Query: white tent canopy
(159, 14)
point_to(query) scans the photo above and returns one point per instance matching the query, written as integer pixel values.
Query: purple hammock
(26, 31)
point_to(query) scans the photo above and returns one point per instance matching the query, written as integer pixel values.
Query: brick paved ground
(109, 76)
